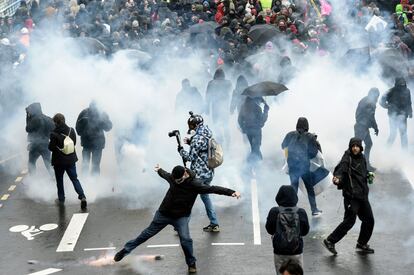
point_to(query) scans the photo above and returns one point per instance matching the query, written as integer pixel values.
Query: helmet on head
(193, 121)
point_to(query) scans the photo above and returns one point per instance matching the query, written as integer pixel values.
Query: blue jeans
(159, 223)
(71, 171)
(211, 214)
(307, 180)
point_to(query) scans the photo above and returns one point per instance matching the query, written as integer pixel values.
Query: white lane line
(12, 187)
(18, 179)
(4, 197)
(46, 271)
(9, 158)
(99, 248)
(255, 212)
(72, 233)
(226, 244)
(24, 172)
(162, 245)
(1, 205)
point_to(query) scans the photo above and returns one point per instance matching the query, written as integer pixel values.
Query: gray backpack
(215, 154)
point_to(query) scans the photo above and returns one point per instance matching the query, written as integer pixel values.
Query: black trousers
(96, 160)
(39, 151)
(362, 132)
(354, 208)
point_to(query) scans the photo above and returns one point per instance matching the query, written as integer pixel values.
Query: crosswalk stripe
(162, 245)
(72, 233)
(46, 271)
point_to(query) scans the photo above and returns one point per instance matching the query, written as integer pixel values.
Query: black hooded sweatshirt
(352, 173)
(180, 198)
(302, 147)
(287, 197)
(38, 125)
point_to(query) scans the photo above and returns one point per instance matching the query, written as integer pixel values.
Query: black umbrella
(265, 88)
(91, 45)
(140, 56)
(205, 27)
(260, 34)
(360, 55)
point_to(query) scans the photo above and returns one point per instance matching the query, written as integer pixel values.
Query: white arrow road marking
(255, 212)
(72, 233)
(46, 271)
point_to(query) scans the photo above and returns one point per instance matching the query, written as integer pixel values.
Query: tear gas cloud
(63, 80)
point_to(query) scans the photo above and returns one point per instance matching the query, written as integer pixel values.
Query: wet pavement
(232, 251)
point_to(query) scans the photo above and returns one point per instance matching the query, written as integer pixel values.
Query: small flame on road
(108, 259)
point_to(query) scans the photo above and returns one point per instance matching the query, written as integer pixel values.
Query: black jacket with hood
(251, 117)
(218, 96)
(90, 125)
(287, 197)
(38, 126)
(180, 198)
(398, 99)
(352, 173)
(302, 146)
(365, 113)
(56, 141)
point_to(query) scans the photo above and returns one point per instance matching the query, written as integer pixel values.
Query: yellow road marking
(12, 187)
(5, 197)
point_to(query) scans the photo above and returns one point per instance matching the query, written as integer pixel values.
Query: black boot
(364, 249)
(120, 255)
(330, 246)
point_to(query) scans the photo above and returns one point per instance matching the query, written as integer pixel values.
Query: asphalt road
(109, 225)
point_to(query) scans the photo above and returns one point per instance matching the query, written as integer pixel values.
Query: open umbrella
(140, 56)
(265, 88)
(205, 27)
(260, 34)
(91, 45)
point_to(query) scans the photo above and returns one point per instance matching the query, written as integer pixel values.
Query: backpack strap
(68, 135)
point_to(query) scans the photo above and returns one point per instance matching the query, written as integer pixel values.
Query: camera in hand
(174, 133)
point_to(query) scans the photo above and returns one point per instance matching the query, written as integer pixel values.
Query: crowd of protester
(226, 25)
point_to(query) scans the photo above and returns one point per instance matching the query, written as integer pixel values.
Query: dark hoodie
(251, 116)
(365, 113)
(38, 125)
(180, 198)
(352, 173)
(287, 197)
(218, 96)
(90, 125)
(398, 99)
(302, 147)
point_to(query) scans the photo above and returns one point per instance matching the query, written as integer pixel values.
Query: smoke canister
(371, 177)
